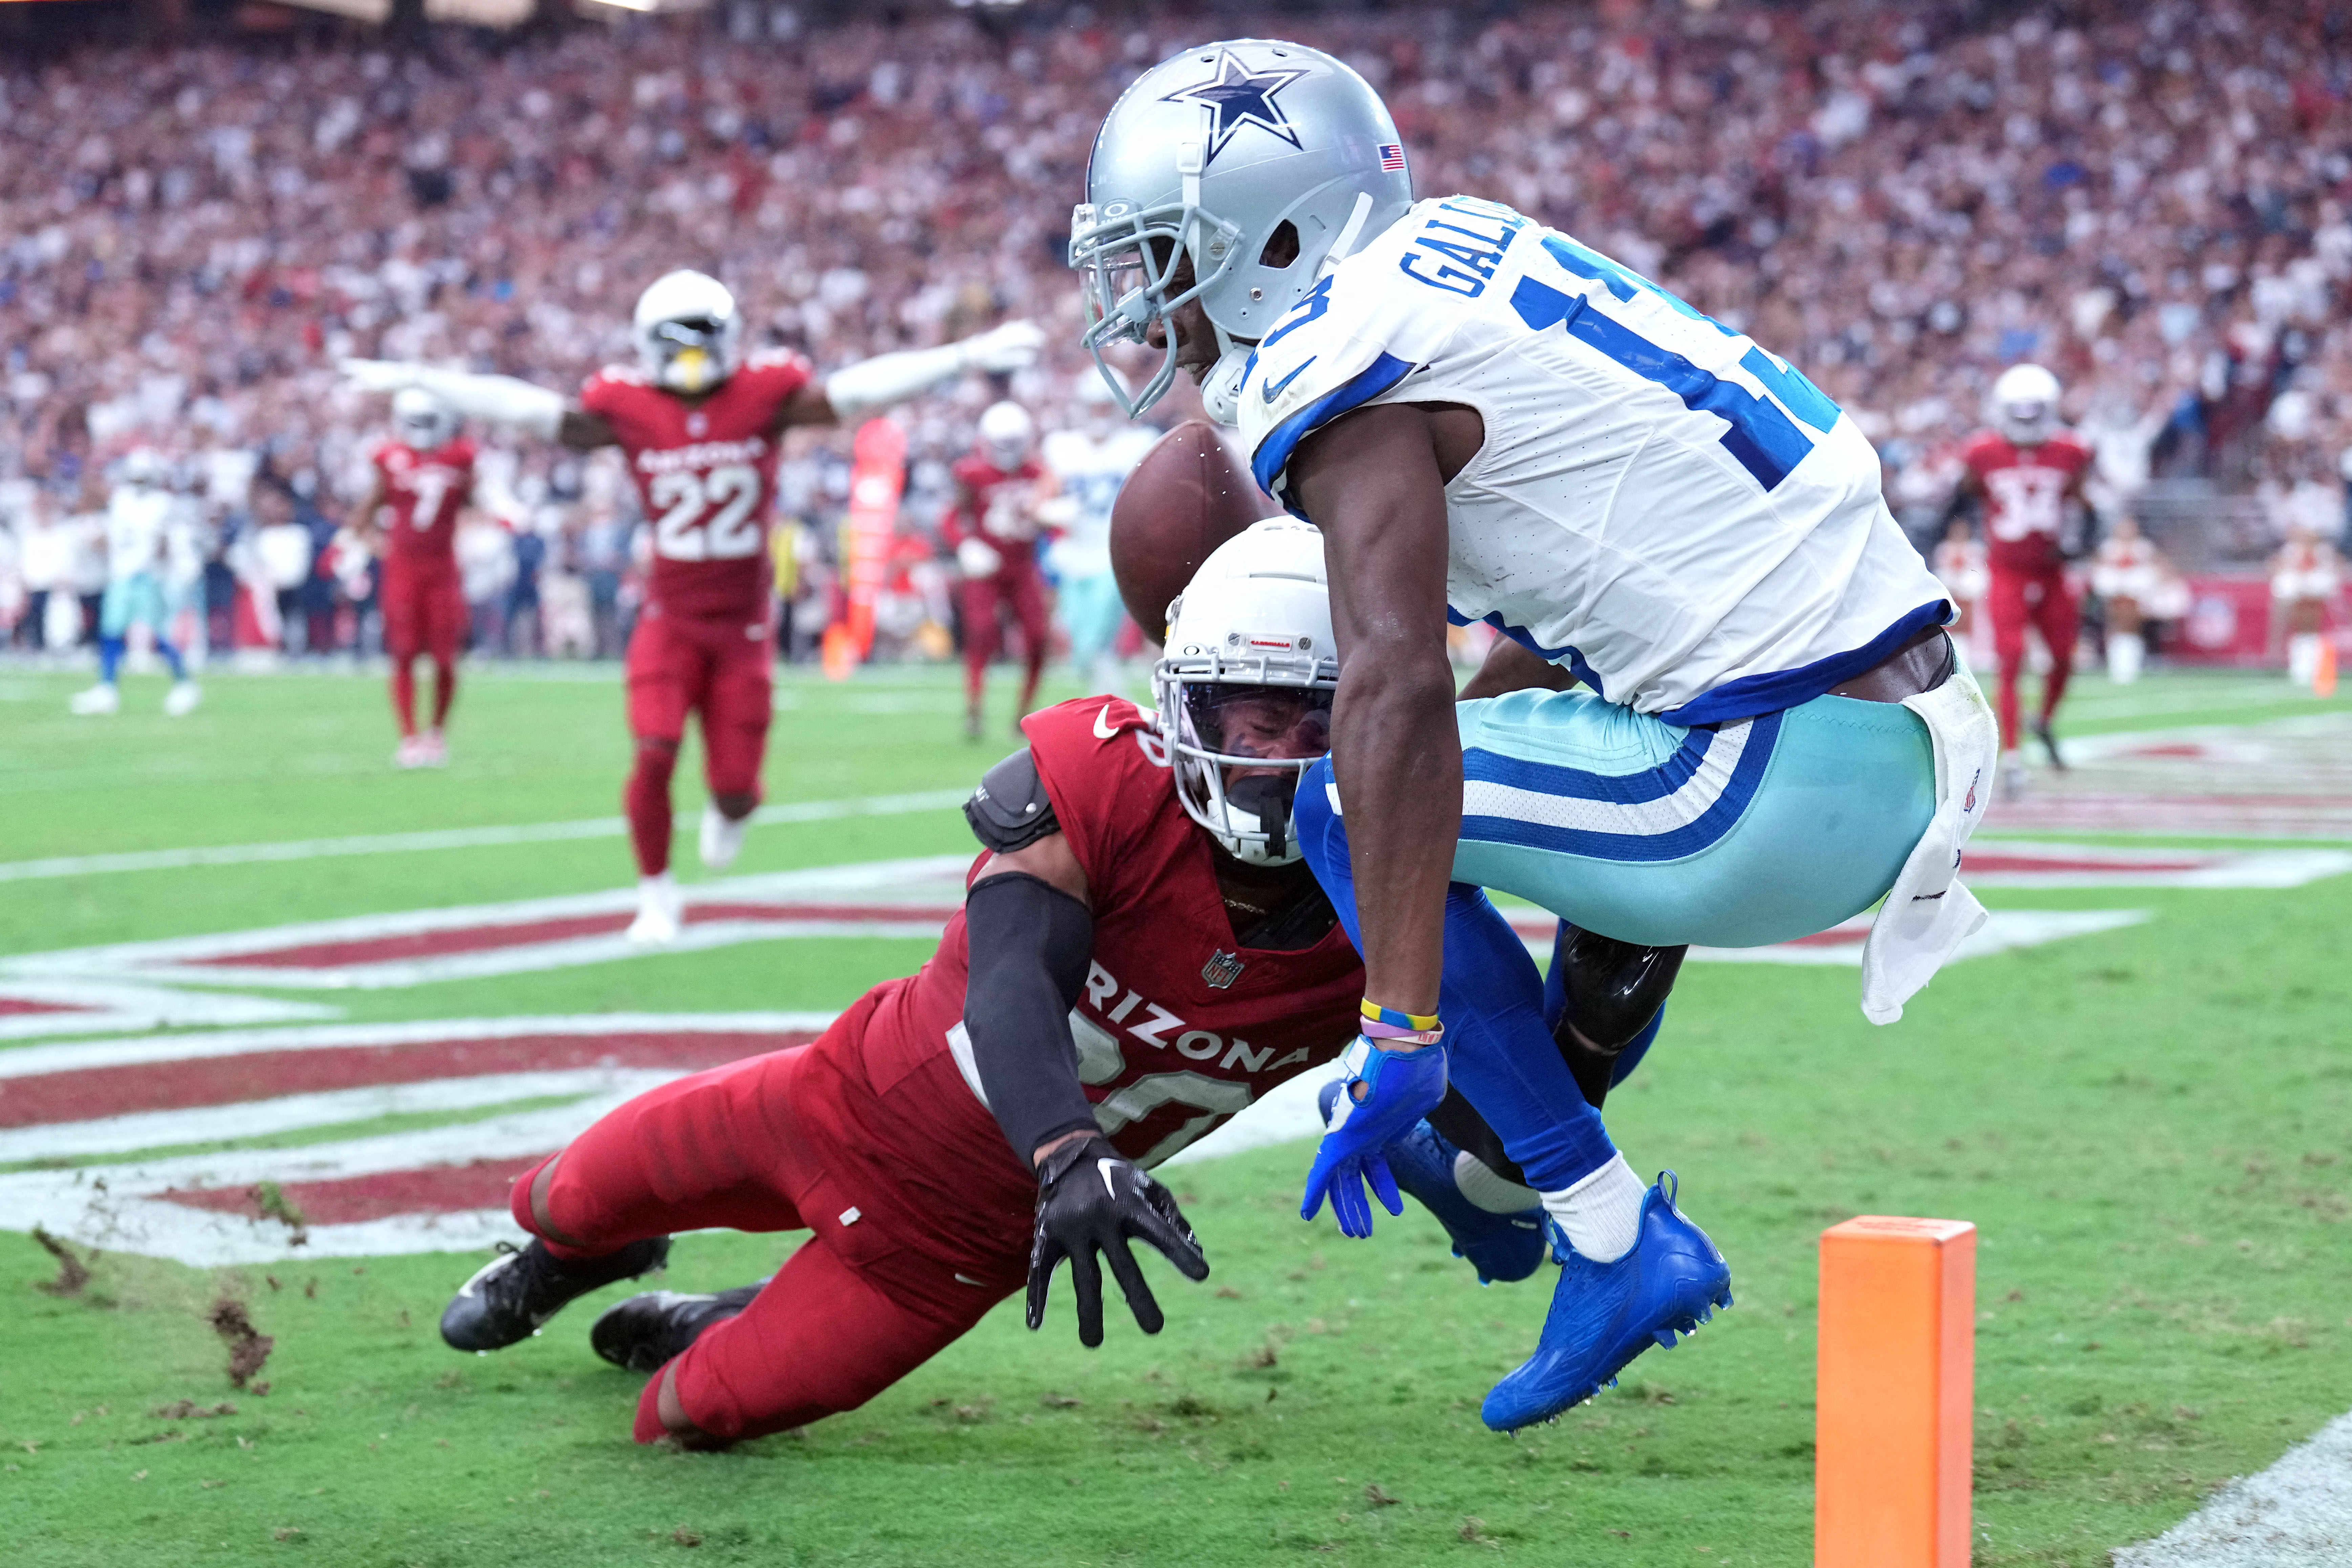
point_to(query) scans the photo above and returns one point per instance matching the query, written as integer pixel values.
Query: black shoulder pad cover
(1010, 810)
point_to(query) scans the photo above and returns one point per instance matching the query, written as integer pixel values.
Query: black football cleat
(644, 1332)
(2048, 743)
(506, 1300)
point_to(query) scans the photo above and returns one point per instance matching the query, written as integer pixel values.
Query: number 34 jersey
(1678, 517)
(707, 474)
(1179, 1026)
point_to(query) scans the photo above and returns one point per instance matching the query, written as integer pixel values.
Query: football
(1189, 495)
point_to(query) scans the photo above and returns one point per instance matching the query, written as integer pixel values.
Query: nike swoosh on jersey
(1270, 390)
(1103, 730)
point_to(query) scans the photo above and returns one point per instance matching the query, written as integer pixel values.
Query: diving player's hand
(1400, 1088)
(1090, 1199)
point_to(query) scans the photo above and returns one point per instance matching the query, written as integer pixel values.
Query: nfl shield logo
(1222, 969)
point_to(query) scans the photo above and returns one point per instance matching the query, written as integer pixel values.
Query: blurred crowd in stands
(2152, 200)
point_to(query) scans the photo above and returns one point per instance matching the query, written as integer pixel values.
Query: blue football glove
(1400, 1088)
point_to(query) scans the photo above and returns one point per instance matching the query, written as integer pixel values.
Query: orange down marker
(1893, 1420)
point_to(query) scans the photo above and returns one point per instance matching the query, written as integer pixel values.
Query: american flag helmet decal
(1392, 156)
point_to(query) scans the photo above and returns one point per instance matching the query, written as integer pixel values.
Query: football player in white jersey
(1090, 463)
(143, 516)
(1490, 421)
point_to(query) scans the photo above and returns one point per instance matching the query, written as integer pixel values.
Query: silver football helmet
(1214, 154)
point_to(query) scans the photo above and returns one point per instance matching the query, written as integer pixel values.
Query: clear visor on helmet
(1240, 733)
(1127, 265)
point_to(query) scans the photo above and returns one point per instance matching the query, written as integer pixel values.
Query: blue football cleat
(1604, 1314)
(1505, 1247)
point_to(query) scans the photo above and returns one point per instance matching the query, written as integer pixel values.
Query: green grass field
(2152, 1127)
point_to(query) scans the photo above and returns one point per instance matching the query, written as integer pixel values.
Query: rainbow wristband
(1388, 1023)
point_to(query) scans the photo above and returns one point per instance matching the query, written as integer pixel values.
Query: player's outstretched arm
(870, 385)
(493, 399)
(1031, 936)
(1372, 483)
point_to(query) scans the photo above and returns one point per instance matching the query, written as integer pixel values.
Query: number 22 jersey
(707, 474)
(1679, 518)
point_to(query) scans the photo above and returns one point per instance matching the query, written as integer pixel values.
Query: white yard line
(2297, 1514)
(449, 839)
(260, 1117)
(133, 1050)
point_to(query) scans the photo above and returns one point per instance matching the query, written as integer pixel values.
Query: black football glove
(1091, 1199)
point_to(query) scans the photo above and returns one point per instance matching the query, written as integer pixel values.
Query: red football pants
(2042, 598)
(423, 611)
(720, 669)
(728, 1148)
(1021, 588)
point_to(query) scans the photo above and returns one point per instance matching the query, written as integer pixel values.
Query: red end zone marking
(95, 1092)
(491, 937)
(11, 1006)
(1987, 860)
(437, 1189)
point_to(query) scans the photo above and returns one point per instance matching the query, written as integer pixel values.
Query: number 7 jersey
(1676, 516)
(707, 475)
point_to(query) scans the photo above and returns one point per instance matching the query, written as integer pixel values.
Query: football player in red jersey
(2025, 471)
(994, 527)
(1142, 954)
(425, 478)
(701, 427)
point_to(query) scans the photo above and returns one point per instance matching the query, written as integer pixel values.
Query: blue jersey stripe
(1274, 452)
(1582, 783)
(1769, 693)
(1689, 839)
(1572, 657)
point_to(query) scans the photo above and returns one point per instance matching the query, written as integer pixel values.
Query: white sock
(2302, 657)
(2126, 651)
(1602, 1214)
(660, 884)
(1488, 1188)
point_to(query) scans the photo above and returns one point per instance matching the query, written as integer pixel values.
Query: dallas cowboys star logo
(1237, 96)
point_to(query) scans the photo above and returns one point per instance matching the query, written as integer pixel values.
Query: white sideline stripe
(70, 1055)
(450, 839)
(69, 1202)
(2132, 865)
(116, 1007)
(525, 958)
(920, 879)
(2007, 929)
(2297, 1514)
(259, 1118)
(204, 1238)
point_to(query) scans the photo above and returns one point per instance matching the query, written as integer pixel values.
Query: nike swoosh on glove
(1400, 1088)
(1091, 1199)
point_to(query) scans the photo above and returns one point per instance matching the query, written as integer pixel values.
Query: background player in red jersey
(1124, 979)
(701, 429)
(994, 527)
(425, 478)
(2025, 471)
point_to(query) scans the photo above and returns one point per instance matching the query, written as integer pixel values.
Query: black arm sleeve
(1031, 943)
